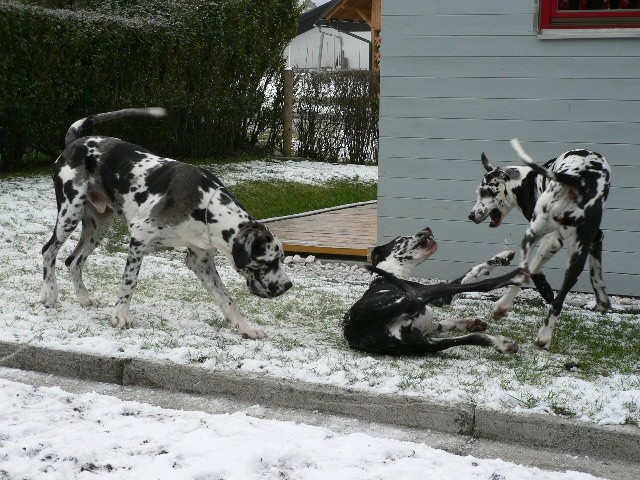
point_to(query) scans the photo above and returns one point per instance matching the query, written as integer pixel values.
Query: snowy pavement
(48, 432)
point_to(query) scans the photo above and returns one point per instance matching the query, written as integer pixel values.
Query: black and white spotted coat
(163, 202)
(564, 202)
(395, 316)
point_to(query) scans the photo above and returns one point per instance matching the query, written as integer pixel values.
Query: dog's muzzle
(268, 289)
(426, 241)
(495, 215)
(477, 216)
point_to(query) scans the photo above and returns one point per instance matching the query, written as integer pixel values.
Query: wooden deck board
(350, 231)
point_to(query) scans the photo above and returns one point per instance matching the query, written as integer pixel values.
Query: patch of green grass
(267, 199)
(582, 345)
(117, 238)
(596, 347)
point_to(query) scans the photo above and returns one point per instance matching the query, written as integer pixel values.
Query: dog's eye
(488, 192)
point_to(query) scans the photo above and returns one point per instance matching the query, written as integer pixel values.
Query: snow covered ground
(302, 171)
(176, 320)
(49, 433)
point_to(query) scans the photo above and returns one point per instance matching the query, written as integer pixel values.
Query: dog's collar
(206, 218)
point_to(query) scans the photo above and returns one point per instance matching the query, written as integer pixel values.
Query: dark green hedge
(337, 115)
(205, 61)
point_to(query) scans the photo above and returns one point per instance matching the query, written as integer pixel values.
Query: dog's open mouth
(496, 218)
(428, 243)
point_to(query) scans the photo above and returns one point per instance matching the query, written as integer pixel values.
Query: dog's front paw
(604, 306)
(476, 325)
(543, 340)
(87, 300)
(505, 345)
(251, 331)
(503, 258)
(505, 303)
(121, 318)
(48, 295)
(501, 310)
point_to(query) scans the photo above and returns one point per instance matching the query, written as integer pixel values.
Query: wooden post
(287, 113)
(376, 28)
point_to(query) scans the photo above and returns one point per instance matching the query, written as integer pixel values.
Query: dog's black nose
(471, 216)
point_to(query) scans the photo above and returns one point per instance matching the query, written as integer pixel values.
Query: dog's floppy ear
(486, 163)
(241, 252)
(377, 255)
(382, 252)
(250, 242)
(259, 240)
(242, 246)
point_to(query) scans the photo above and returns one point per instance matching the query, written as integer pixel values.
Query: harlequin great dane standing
(394, 316)
(564, 201)
(163, 202)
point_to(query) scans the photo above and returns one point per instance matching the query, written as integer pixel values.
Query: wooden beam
(363, 16)
(376, 40)
(376, 15)
(320, 250)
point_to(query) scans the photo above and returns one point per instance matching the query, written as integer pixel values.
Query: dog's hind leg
(94, 228)
(468, 324)
(500, 343)
(202, 263)
(595, 262)
(577, 259)
(138, 246)
(71, 203)
(410, 340)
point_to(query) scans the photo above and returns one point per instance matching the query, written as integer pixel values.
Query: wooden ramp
(348, 231)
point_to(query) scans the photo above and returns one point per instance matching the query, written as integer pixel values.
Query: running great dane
(564, 202)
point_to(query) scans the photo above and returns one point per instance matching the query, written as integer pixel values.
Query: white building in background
(324, 46)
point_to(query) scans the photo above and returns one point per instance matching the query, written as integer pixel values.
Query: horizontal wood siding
(461, 78)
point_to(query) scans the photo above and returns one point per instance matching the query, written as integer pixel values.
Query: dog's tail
(560, 177)
(76, 130)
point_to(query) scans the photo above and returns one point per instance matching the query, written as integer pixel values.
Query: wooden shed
(463, 77)
(360, 11)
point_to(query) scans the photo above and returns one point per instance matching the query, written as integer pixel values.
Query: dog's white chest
(423, 321)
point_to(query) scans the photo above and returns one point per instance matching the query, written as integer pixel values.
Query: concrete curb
(620, 442)
(64, 363)
(251, 387)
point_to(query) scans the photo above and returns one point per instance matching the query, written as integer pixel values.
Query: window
(592, 15)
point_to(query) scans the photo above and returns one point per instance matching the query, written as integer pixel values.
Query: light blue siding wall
(463, 77)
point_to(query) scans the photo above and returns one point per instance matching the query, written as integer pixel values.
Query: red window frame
(552, 18)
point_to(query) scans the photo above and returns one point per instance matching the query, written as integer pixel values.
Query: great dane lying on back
(394, 316)
(163, 202)
(564, 202)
